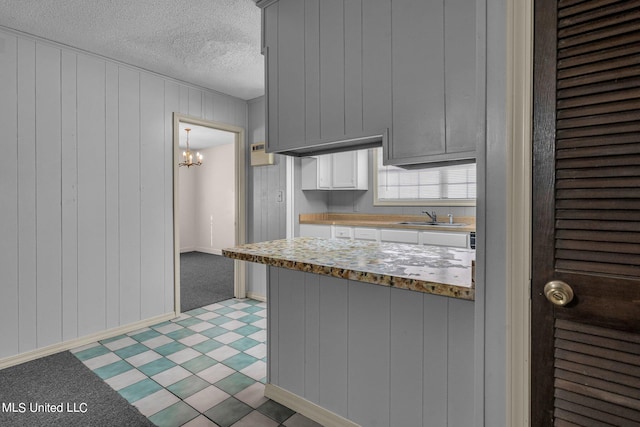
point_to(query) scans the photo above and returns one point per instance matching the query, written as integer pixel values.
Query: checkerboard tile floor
(205, 368)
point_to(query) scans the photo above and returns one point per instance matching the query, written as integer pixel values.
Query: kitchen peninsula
(368, 333)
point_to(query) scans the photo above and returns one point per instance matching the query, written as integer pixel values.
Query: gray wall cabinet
(409, 74)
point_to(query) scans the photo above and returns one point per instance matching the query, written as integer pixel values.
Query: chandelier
(187, 156)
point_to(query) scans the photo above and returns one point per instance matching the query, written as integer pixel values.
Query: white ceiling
(210, 43)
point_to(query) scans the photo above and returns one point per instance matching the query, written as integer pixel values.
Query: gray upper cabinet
(408, 74)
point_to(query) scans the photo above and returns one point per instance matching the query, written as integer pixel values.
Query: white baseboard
(256, 297)
(306, 408)
(211, 251)
(77, 342)
(189, 249)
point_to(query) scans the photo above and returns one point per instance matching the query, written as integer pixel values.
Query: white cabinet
(343, 232)
(337, 171)
(399, 236)
(315, 230)
(362, 233)
(442, 238)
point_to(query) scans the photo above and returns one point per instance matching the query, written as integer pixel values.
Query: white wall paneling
(376, 355)
(87, 185)
(9, 311)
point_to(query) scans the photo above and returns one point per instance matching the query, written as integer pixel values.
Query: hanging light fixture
(187, 156)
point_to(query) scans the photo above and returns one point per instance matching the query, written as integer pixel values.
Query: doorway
(213, 237)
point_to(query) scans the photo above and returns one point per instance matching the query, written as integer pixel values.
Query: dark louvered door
(586, 213)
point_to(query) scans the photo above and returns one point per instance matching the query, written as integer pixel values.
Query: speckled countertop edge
(268, 253)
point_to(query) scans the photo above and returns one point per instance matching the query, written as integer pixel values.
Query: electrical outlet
(280, 196)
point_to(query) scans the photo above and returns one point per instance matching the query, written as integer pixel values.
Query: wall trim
(257, 297)
(87, 339)
(308, 409)
(519, 171)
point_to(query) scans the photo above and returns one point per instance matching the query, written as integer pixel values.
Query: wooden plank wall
(86, 216)
(375, 355)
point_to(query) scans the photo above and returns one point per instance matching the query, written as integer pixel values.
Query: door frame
(239, 271)
(519, 41)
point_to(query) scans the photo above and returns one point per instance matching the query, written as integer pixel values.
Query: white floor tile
(207, 398)
(125, 379)
(121, 343)
(208, 316)
(222, 353)
(200, 421)
(199, 327)
(138, 331)
(215, 373)
(255, 418)
(171, 376)
(240, 305)
(182, 356)
(259, 336)
(144, 358)
(100, 361)
(157, 341)
(252, 395)
(236, 314)
(258, 351)
(192, 340)
(257, 370)
(262, 323)
(155, 402)
(261, 313)
(182, 316)
(227, 338)
(213, 307)
(233, 325)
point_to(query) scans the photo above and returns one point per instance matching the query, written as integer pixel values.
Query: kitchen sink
(434, 224)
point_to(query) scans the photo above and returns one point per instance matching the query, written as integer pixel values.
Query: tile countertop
(432, 269)
(385, 221)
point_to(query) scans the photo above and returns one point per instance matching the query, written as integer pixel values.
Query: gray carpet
(61, 381)
(204, 279)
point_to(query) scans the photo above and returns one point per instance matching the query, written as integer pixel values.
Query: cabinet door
(417, 80)
(291, 83)
(324, 171)
(331, 69)
(463, 74)
(314, 230)
(345, 169)
(270, 52)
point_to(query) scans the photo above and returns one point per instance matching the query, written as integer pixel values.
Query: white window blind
(446, 184)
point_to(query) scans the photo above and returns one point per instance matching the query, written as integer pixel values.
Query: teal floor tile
(198, 364)
(239, 361)
(250, 318)
(229, 302)
(180, 333)
(247, 330)
(112, 339)
(196, 312)
(139, 390)
(159, 325)
(170, 348)
(207, 346)
(225, 310)
(220, 320)
(188, 322)
(131, 350)
(234, 383)
(228, 412)
(244, 344)
(252, 309)
(175, 415)
(146, 335)
(214, 332)
(275, 411)
(188, 386)
(113, 369)
(157, 366)
(92, 352)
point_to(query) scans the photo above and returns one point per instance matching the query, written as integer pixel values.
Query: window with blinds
(446, 185)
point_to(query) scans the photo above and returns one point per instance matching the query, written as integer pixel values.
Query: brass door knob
(558, 292)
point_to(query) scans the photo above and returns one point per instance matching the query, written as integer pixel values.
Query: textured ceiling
(210, 43)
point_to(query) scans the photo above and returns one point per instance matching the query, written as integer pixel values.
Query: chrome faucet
(432, 215)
